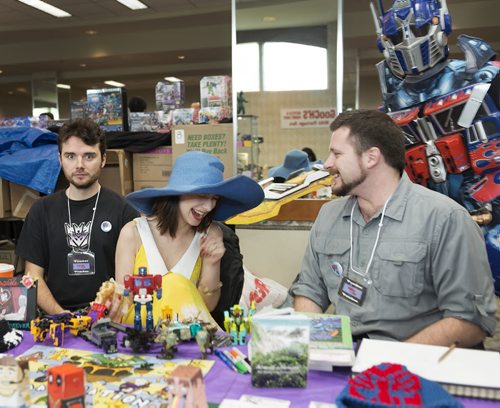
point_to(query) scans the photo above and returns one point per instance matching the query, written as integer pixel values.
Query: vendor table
(221, 382)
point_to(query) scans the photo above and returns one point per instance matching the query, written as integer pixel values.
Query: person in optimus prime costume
(447, 109)
(143, 286)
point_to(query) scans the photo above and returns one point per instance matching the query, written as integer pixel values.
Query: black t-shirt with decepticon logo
(47, 237)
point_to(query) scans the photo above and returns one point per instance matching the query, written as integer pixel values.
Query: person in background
(404, 262)
(68, 239)
(49, 115)
(137, 104)
(198, 259)
(312, 156)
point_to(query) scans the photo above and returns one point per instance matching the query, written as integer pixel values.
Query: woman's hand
(212, 247)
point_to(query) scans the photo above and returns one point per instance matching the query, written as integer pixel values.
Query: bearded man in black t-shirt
(68, 239)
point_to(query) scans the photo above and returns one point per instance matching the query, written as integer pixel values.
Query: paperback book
(331, 342)
(278, 350)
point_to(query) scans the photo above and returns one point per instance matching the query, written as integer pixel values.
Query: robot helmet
(412, 34)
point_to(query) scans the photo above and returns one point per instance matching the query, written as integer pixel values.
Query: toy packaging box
(169, 95)
(108, 108)
(215, 114)
(23, 121)
(18, 301)
(216, 91)
(183, 116)
(143, 122)
(78, 109)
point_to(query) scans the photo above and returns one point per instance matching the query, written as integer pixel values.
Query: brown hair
(166, 211)
(84, 129)
(373, 128)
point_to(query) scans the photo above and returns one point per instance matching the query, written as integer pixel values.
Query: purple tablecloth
(221, 382)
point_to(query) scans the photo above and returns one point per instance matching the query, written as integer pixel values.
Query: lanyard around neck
(380, 224)
(93, 215)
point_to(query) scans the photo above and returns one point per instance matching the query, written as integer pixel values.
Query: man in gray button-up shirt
(404, 262)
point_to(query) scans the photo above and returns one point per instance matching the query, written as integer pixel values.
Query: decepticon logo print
(77, 235)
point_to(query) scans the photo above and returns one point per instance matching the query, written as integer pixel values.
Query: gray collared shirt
(430, 262)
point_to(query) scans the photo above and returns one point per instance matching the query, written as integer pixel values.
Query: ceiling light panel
(133, 4)
(114, 83)
(46, 8)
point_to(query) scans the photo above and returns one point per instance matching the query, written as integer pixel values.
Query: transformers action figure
(143, 286)
(448, 109)
(237, 323)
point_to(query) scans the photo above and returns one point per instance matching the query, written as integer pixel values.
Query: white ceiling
(141, 47)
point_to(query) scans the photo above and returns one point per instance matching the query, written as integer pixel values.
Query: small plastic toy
(109, 299)
(55, 325)
(237, 323)
(143, 286)
(186, 388)
(168, 339)
(206, 340)
(102, 336)
(14, 383)
(66, 386)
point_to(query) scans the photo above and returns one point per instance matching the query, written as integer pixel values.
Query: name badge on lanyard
(352, 291)
(81, 263)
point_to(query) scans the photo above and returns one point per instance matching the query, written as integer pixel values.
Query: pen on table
(239, 354)
(447, 352)
(225, 360)
(237, 362)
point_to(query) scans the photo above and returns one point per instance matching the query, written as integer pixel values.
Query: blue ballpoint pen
(225, 360)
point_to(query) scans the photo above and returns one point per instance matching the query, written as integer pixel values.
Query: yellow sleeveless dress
(178, 293)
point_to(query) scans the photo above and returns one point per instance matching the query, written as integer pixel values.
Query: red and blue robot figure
(143, 286)
(448, 109)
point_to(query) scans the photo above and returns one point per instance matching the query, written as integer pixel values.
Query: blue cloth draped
(29, 156)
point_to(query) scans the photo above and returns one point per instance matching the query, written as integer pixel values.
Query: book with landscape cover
(331, 341)
(462, 372)
(278, 350)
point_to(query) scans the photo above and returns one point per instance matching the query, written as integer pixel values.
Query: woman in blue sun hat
(198, 259)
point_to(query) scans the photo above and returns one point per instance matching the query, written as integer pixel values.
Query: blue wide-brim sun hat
(294, 160)
(201, 173)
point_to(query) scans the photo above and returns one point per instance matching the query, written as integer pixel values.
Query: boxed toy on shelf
(183, 116)
(216, 91)
(169, 95)
(108, 108)
(215, 114)
(78, 109)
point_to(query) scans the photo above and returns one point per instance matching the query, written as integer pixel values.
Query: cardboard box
(8, 255)
(155, 164)
(5, 206)
(142, 184)
(215, 139)
(117, 173)
(21, 199)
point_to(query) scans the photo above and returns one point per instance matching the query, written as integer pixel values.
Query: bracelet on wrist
(209, 292)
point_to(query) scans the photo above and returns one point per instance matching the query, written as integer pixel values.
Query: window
(293, 67)
(247, 67)
(285, 66)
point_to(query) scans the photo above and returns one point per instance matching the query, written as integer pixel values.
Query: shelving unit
(248, 146)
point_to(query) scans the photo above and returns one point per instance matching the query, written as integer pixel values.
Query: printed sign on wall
(306, 117)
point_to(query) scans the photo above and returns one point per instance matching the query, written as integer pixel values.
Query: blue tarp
(29, 156)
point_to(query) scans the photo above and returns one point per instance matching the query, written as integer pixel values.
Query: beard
(346, 187)
(82, 185)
